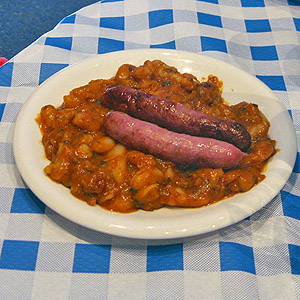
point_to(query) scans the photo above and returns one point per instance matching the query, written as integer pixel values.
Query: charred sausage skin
(174, 116)
(179, 148)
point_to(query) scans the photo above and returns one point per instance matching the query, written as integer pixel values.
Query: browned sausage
(174, 116)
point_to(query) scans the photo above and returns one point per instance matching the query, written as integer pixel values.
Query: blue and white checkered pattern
(44, 256)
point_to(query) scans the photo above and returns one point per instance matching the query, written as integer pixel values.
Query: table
(44, 256)
(23, 21)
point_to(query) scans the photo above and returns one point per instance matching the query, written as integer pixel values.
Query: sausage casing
(179, 148)
(174, 116)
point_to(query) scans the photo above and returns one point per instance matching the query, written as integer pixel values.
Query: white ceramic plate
(167, 222)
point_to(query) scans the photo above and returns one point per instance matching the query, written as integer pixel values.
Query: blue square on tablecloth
(297, 23)
(2, 106)
(165, 257)
(293, 2)
(169, 45)
(208, 19)
(90, 258)
(210, 1)
(109, 45)
(253, 3)
(294, 252)
(236, 257)
(290, 205)
(24, 201)
(69, 19)
(48, 70)
(6, 72)
(297, 164)
(212, 44)
(264, 53)
(258, 25)
(160, 17)
(60, 42)
(113, 22)
(275, 83)
(19, 255)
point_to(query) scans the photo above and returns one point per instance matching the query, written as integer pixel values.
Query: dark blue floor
(23, 21)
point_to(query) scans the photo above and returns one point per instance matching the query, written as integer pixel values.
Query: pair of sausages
(210, 142)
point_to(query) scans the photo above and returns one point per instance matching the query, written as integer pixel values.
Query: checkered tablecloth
(44, 256)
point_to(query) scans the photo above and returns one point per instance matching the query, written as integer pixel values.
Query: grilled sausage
(179, 148)
(174, 116)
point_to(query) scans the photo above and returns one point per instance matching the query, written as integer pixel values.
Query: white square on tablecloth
(207, 8)
(7, 195)
(185, 5)
(267, 67)
(85, 21)
(26, 74)
(24, 226)
(234, 11)
(127, 286)
(268, 232)
(237, 285)
(159, 35)
(50, 286)
(204, 257)
(160, 5)
(85, 44)
(272, 209)
(186, 30)
(279, 287)
(167, 285)
(10, 177)
(19, 282)
(131, 8)
(88, 286)
(211, 31)
(254, 13)
(202, 285)
(292, 230)
(240, 233)
(191, 44)
(137, 23)
(137, 37)
(58, 229)
(128, 259)
(3, 226)
(55, 257)
(56, 55)
(272, 260)
(111, 9)
(33, 54)
(19, 94)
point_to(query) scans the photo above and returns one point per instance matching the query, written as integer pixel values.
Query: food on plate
(174, 116)
(128, 161)
(179, 148)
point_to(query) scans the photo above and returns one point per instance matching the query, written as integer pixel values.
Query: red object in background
(3, 60)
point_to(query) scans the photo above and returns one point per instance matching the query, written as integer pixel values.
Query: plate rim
(116, 229)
